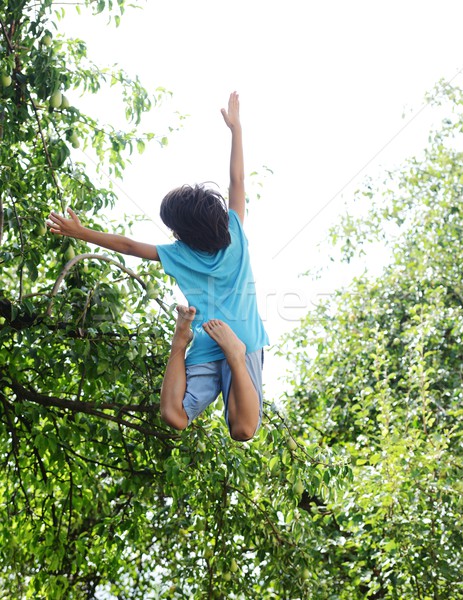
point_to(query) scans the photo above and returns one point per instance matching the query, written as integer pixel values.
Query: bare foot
(183, 333)
(229, 342)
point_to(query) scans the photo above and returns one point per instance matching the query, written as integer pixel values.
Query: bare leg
(243, 401)
(174, 384)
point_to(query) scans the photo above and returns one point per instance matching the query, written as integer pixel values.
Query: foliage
(98, 498)
(379, 371)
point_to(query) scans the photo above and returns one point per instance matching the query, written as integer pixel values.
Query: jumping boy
(219, 338)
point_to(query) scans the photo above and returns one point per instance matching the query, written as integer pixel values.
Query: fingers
(231, 116)
(225, 116)
(53, 220)
(59, 220)
(57, 224)
(53, 227)
(234, 101)
(56, 219)
(74, 217)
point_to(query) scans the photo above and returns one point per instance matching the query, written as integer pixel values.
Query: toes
(186, 312)
(214, 323)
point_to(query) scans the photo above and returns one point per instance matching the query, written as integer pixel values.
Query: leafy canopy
(379, 379)
(98, 498)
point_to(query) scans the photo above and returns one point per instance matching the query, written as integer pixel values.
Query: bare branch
(15, 445)
(47, 154)
(1, 201)
(68, 266)
(7, 37)
(277, 534)
(92, 409)
(21, 239)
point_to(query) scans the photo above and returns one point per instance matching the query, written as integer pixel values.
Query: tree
(75, 404)
(98, 498)
(379, 380)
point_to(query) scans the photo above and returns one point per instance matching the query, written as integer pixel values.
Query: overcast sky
(323, 88)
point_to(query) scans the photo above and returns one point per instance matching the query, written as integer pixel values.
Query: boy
(219, 338)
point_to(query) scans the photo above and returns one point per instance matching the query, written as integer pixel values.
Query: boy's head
(198, 216)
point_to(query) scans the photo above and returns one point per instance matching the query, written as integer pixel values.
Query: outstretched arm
(119, 243)
(236, 191)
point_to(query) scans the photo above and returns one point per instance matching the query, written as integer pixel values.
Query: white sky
(323, 87)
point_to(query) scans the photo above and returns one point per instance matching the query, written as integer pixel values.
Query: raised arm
(237, 198)
(119, 243)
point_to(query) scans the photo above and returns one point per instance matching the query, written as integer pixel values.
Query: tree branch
(15, 446)
(126, 450)
(21, 239)
(47, 154)
(280, 539)
(92, 409)
(86, 459)
(7, 37)
(68, 266)
(1, 201)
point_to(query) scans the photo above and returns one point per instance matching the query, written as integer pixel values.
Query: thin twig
(84, 407)
(1, 201)
(7, 37)
(68, 266)
(47, 154)
(21, 266)
(266, 517)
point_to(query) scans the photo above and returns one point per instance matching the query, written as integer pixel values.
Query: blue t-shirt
(219, 286)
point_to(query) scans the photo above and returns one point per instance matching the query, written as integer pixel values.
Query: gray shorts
(205, 381)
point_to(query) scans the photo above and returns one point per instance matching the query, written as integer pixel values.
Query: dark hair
(198, 216)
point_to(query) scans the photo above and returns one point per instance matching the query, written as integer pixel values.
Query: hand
(232, 116)
(62, 226)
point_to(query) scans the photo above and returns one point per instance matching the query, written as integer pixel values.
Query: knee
(242, 433)
(175, 420)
